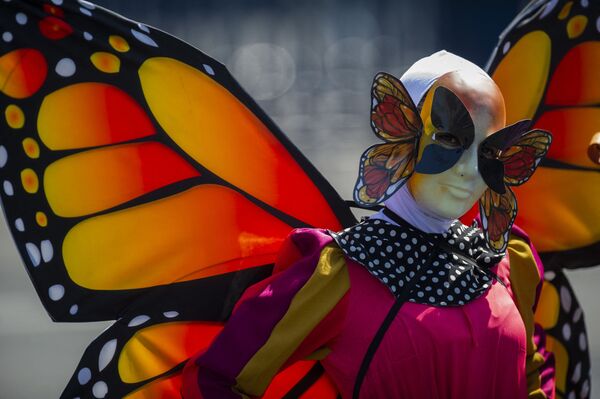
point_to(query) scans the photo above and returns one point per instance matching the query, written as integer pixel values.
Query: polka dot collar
(449, 269)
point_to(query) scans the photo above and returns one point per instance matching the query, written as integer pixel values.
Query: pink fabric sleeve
(264, 326)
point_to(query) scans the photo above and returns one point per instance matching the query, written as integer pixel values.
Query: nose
(466, 167)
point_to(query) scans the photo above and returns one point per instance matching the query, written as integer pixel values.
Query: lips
(458, 191)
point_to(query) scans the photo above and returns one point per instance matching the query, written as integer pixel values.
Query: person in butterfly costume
(115, 134)
(409, 302)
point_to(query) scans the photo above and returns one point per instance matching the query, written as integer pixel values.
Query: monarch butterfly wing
(383, 169)
(130, 161)
(498, 212)
(560, 314)
(394, 116)
(546, 66)
(524, 155)
(143, 357)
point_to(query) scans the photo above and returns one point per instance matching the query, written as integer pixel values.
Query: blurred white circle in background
(265, 70)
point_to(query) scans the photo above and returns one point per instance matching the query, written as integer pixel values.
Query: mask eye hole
(446, 139)
(489, 152)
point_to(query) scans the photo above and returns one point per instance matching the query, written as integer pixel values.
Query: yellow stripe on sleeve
(321, 293)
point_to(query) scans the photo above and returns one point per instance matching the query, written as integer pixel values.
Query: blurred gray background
(310, 65)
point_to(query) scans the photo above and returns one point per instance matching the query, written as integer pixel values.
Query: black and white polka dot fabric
(451, 269)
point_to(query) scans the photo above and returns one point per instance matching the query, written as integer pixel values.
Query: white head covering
(423, 73)
(417, 80)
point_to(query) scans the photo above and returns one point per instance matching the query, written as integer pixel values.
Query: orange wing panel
(22, 72)
(96, 180)
(570, 214)
(163, 388)
(204, 231)
(90, 114)
(572, 129)
(570, 84)
(155, 350)
(223, 135)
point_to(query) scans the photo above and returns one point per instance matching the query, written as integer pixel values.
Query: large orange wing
(546, 65)
(140, 183)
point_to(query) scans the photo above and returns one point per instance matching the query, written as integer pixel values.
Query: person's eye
(489, 152)
(446, 139)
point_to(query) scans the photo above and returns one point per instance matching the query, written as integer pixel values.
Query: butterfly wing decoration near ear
(140, 182)
(395, 119)
(546, 64)
(519, 154)
(498, 212)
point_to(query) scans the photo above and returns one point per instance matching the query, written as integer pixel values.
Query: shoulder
(526, 269)
(309, 248)
(522, 253)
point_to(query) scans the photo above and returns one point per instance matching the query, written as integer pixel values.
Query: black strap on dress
(391, 315)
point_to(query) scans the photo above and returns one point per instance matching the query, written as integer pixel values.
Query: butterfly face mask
(448, 159)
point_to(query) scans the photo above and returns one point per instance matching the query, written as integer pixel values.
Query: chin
(450, 209)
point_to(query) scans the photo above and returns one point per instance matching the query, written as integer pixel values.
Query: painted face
(459, 112)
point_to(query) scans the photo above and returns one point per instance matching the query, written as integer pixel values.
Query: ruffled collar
(447, 269)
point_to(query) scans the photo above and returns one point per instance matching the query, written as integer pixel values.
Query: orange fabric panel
(572, 129)
(570, 84)
(203, 231)
(522, 75)
(163, 388)
(90, 114)
(96, 180)
(219, 132)
(22, 72)
(157, 349)
(566, 219)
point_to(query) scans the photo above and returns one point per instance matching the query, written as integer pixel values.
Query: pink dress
(473, 351)
(323, 302)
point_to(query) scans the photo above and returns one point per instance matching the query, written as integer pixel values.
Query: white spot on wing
(106, 354)
(565, 298)
(34, 254)
(65, 67)
(142, 37)
(57, 2)
(138, 320)
(19, 225)
(143, 28)
(548, 9)
(3, 156)
(56, 292)
(100, 389)
(7, 37)
(87, 36)
(549, 275)
(8, 188)
(171, 314)
(84, 376)
(85, 11)
(209, 69)
(73, 310)
(21, 18)
(47, 250)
